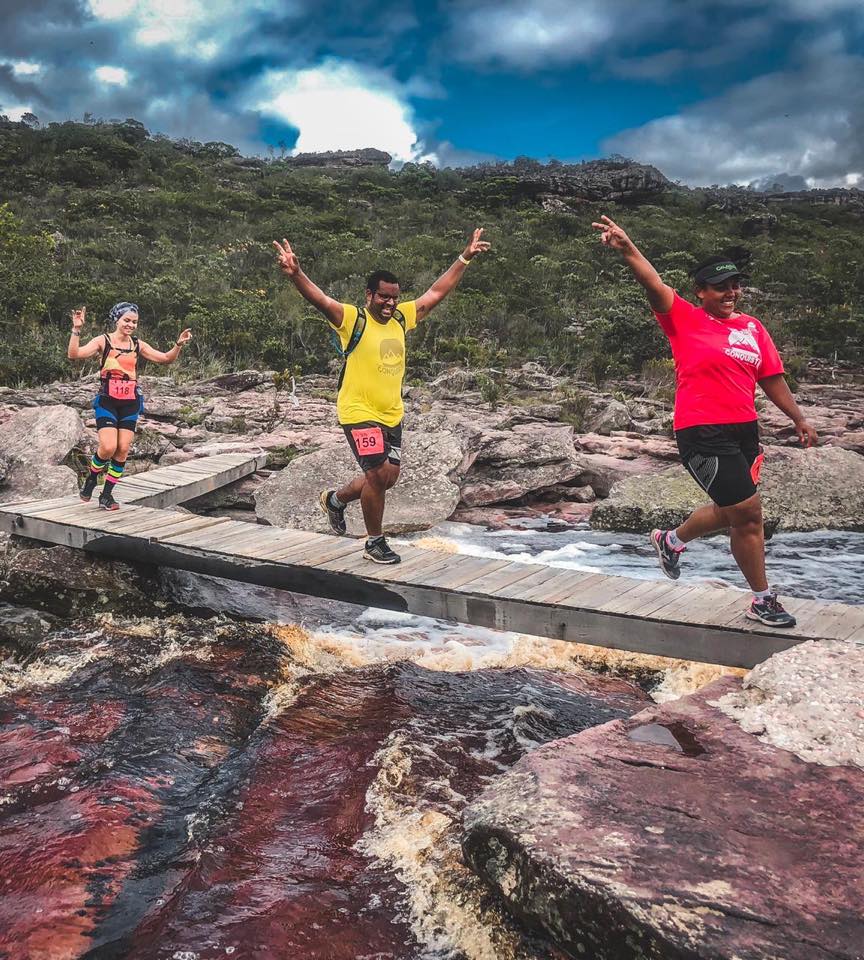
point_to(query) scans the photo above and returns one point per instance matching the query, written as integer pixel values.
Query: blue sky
(709, 93)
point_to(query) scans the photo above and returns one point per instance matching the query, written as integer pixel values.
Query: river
(195, 787)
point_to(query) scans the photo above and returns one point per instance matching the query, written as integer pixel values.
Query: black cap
(717, 272)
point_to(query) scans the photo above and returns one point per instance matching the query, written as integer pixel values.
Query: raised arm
(448, 280)
(290, 266)
(660, 295)
(75, 351)
(157, 356)
(778, 392)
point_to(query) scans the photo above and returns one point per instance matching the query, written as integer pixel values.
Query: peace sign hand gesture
(288, 261)
(476, 245)
(79, 315)
(613, 236)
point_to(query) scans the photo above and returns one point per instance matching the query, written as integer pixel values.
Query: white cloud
(806, 122)
(113, 75)
(193, 27)
(24, 68)
(340, 106)
(16, 111)
(531, 34)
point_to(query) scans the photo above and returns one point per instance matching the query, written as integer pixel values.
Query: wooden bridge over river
(692, 621)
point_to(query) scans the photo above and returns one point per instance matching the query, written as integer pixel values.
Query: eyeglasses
(383, 299)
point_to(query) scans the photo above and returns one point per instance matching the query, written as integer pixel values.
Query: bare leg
(703, 520)
(351, 491)
(109, 438)
(748, 540)
(376, 483)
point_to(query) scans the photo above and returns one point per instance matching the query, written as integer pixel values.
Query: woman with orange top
(119, 402)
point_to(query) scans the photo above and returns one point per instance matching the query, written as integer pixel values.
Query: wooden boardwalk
(691, 621)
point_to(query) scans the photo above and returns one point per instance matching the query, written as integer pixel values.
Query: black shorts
(122, 414)
(373, 443)
(723, 458)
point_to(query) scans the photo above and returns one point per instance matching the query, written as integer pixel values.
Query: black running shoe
(106, 498)
(87, 488)
(379, 551)
(770, 612)
(668, 557)
(336, 515)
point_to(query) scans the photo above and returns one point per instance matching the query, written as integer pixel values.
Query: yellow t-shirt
(372, 387)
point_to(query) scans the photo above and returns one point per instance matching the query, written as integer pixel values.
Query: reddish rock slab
(675, 834)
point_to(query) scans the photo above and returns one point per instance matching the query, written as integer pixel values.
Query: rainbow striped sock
(97, 464)
(115, 471)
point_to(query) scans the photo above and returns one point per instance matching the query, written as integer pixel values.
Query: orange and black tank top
(119, 363)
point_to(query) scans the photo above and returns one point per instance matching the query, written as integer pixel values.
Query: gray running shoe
(106, 498)
(335, 515)
(378, 550)
(770, 612)
(669, 558)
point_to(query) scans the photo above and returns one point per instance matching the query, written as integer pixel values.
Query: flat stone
(676, 834)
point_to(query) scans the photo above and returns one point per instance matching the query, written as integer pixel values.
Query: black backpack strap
(353, 340)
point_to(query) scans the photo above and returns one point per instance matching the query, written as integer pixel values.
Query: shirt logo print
(743, 345)
(392, 352)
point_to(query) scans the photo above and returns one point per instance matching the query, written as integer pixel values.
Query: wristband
(463, 260)
(74, 333)
(177, 343)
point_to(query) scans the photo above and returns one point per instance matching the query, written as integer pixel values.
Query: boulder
(427, 492)
(40, 435)
(806, 699)
(33, 443)
(526, 459)
(71, 583)
(607, 415)
(676, 834)
(821, 488)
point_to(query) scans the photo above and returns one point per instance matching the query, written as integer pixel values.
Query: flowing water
(193, 788)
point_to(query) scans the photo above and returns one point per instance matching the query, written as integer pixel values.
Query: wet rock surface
(185, 787)
(677, 834)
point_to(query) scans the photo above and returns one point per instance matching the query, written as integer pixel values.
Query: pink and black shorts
(374, 443)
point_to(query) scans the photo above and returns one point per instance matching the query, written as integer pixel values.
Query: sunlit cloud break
(116, 75)
(338, 106)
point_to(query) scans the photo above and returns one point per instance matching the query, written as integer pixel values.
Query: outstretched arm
(778, 392)
(448, 280)
(660, 295)
(290, 266)
(157, 356)
(75, 351)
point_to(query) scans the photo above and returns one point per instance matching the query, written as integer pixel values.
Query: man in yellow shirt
(369, 405)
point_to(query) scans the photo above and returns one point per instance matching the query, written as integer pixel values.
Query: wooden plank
(230, 540)
(203, 523)
(539, 580)
(314, 553)
(493, 582)
(601, 591)
(673, 597)
(462, 574)
(629, 598)
(567, 588)
(258, 543)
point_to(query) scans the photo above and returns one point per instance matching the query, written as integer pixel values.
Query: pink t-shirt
(717, 364)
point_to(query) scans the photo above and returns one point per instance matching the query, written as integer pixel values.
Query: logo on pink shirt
(744, 346)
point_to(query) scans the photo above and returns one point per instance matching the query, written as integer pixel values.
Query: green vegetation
(99, 212)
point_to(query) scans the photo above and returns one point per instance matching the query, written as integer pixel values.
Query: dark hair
(380, 276)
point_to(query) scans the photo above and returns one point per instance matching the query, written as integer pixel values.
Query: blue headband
(119, 309)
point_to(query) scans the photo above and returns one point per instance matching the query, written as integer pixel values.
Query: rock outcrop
(677, 834)
(821, 488)
(33, 444)
(425, 495)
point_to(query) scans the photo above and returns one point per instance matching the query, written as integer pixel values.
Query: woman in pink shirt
(720, 355)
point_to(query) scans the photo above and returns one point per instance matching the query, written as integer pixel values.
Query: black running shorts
(373, 443)
(723, 458)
